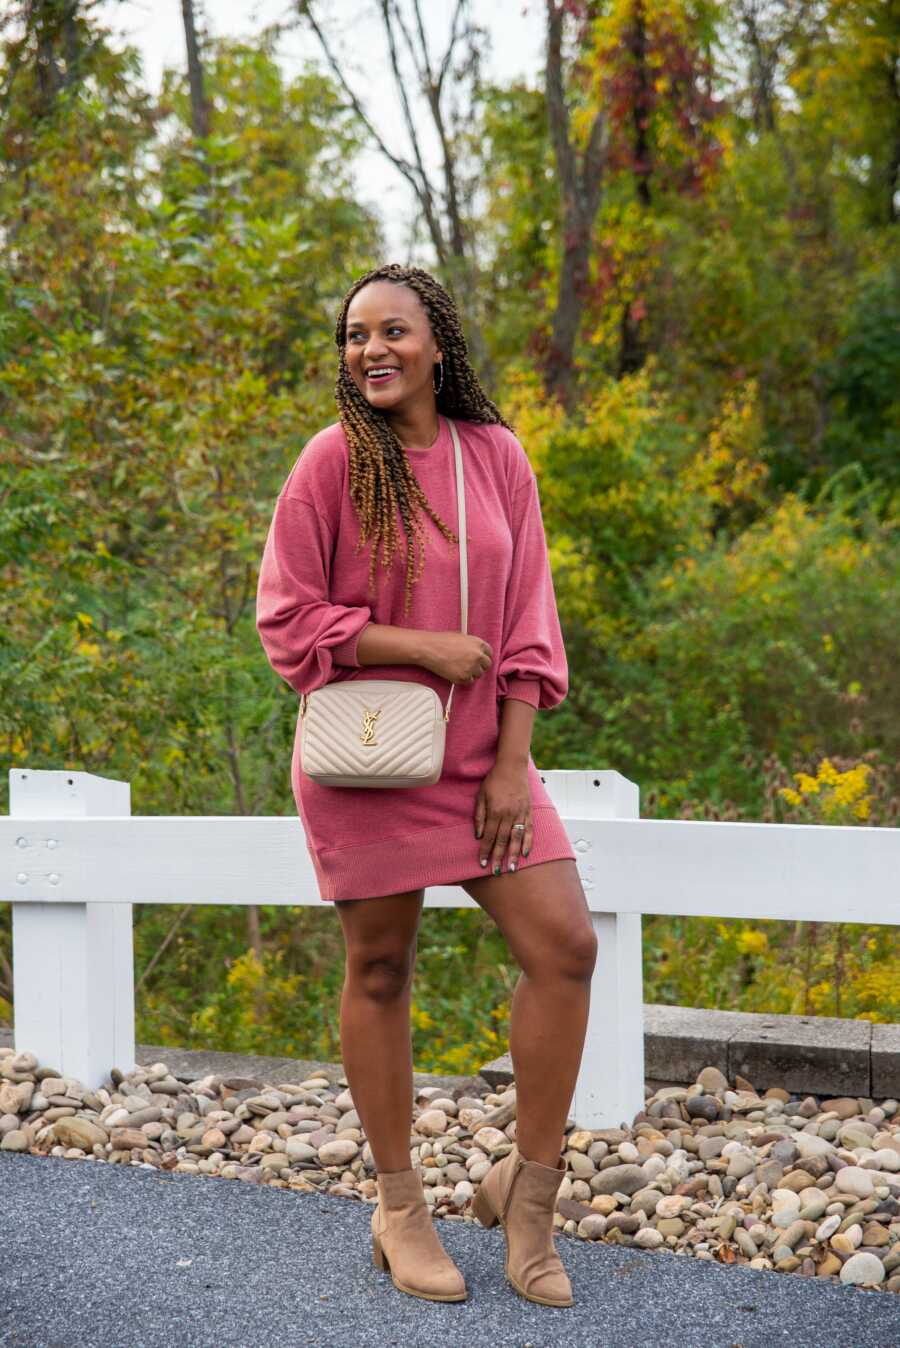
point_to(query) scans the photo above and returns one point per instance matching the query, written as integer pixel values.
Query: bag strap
(463, 555)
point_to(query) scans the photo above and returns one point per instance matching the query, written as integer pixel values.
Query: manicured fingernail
(525, 852)
(496, 870)
(483, 861)
(512, 865)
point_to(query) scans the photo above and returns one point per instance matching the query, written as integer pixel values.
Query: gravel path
(113, 1255)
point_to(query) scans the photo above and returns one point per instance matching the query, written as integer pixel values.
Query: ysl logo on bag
(368, 735)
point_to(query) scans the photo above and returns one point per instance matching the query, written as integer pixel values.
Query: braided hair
(381, 479)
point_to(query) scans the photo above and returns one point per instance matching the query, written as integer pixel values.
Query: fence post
(610, 1086)
(73, 963)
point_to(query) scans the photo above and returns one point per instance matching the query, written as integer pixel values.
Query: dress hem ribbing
(436, 856)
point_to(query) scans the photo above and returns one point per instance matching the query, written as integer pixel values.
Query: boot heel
(483, 1211)
(379, 1258)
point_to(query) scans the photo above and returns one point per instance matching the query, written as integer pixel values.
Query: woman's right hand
(458, 657)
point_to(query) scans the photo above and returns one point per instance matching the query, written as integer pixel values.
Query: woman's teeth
(382, 374)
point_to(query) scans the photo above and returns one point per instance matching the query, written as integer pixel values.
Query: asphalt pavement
(106, 1256)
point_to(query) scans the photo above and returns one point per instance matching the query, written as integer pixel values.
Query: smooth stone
(646, 1200)
(712, 1079)
(604, 1204)
(124, 1139)
(648, 1238)
(809, 1144)
(770, 1173)
(828, 1227)
(627, 1222)
(672, 1205)
(626, 1179)
(785, 1151)
(580, 1140)
(740, 1165)
(433, 1122)
(863, 1268)
(875, 1234)
(793, 1234)
(845, 1106)
(852, 1179)
(492, 1140)
(274, 1160)
(653, 1166)
(813, 1207)
(79, 1133)
(299, 1150)
(885, 1158)
(581, 1166)
(339, 1152)
(592, 1227)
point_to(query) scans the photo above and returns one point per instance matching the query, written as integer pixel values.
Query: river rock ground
(713, 1171)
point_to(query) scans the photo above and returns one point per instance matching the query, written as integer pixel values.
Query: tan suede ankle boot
(521, 1195)
(405, 1242)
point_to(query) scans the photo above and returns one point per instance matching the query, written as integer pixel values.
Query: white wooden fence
(75, 860)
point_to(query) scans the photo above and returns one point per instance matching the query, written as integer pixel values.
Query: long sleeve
(533, 665)
(306, 638)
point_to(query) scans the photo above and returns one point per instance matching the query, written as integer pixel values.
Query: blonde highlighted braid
(381, 479)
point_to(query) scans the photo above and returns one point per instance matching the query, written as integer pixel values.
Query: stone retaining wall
(820, 1055)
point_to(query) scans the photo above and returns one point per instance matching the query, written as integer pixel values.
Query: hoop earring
(440, 365)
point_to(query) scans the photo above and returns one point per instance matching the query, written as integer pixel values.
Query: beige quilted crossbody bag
(382, 732)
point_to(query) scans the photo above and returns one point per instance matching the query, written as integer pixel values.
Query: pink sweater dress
(312, 605)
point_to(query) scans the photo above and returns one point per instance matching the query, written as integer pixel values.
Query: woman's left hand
(503, 800)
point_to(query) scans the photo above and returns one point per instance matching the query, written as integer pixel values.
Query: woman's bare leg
(543, 914)
(376, 1039)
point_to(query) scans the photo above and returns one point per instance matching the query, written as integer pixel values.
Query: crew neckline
(443, 436)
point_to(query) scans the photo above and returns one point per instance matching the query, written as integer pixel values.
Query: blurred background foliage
(697, 342)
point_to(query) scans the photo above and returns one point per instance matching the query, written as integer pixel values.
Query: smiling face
(390, 348)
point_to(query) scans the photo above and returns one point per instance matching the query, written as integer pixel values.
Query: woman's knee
(572, 957)
(382, 975)
(380, 940)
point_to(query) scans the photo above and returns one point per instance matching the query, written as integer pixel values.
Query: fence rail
(75, 861)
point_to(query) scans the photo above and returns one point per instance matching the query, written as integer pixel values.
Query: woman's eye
(353, 335)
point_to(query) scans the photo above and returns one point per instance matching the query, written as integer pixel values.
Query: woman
(321, 616)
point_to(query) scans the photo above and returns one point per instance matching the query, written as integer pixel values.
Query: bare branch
(426, 197)
(403, 166)
(162, 948)
(423, 40)
(445, 64)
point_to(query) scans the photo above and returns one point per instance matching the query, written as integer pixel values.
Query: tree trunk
(632, 346)
(581, 188)
(199, 105)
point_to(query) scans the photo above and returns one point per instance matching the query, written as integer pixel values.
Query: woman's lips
(382, 378)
